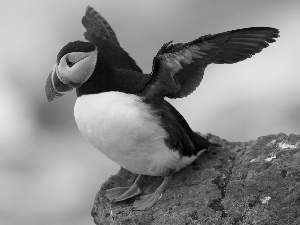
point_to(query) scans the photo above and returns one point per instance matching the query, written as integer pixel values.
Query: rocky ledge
(254, 182)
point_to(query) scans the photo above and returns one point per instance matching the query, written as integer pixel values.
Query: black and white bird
(123, 112)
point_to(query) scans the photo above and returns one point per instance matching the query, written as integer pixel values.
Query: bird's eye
(69, 63)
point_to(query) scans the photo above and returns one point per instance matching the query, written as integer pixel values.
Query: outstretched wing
(178, 68)
(97, 27)
(100, 33)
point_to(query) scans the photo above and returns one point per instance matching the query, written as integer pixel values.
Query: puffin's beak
(54, 87)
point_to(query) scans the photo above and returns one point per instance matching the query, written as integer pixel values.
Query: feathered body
(123, 112)
(131, 132)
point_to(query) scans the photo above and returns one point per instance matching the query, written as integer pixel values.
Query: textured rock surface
(255, 182)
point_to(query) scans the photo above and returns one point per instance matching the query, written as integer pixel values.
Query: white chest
(123, 128)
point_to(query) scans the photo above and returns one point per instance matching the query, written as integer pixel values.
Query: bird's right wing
(100, 33)
(97, 27)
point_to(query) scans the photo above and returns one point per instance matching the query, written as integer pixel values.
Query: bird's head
(75, 64)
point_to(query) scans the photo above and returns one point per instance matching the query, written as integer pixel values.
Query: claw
(146, 201)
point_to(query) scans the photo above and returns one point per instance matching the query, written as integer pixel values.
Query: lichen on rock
(254, 182)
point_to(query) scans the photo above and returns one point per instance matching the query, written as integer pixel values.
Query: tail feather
(201, 141)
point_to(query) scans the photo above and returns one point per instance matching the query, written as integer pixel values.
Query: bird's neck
(100, 79)
(110, 79)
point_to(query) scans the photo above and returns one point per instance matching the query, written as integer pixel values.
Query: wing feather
(178, 69)
(97, 27)
(100, 33)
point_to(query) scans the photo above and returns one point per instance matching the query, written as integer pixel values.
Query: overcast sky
(42, 150)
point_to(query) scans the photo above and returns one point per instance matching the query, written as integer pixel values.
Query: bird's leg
(147, 201)
(122, 193)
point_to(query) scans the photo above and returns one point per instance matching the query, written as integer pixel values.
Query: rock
(255, 182)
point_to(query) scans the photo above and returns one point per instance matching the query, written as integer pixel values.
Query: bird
(124, 113)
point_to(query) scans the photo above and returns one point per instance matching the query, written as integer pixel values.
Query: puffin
(123, 112)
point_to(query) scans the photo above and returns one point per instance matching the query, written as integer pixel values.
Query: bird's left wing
(178, 68)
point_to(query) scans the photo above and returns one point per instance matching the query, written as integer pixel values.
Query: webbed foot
(123, 193)
(147, 201)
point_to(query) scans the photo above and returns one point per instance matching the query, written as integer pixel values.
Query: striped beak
(54, 86)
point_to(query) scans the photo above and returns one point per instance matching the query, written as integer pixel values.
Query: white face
(75, 68)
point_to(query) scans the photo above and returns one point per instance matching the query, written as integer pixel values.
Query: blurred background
(48, 173)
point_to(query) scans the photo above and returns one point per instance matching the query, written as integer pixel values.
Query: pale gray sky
(48, 173)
